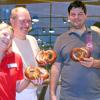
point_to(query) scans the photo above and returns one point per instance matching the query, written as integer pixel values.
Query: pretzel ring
(51, 56)
(43, 73)
(46, 57)
(78, 54)
(33, 73)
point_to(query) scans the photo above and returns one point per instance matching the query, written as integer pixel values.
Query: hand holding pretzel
(33, 73)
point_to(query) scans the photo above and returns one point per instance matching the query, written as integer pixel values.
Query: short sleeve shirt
(77, 80)
(10, 72)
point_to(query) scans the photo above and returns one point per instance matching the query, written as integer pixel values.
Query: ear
(68, 18)
(86, 15)
(11, 21)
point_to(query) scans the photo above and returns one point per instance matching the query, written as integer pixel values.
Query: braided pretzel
(46, 57)
(33, 73)
(78, 54)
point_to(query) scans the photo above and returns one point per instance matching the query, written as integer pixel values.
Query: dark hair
(77, 4)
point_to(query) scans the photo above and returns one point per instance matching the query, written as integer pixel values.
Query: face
(77, 18)
(5, 39)
(22, 23)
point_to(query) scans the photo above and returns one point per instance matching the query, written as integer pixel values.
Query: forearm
(96, 63)
(91, 62)
(21, 85)
(54, 77)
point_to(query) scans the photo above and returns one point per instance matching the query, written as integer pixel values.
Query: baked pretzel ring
(33, 73)
(51, 56)
(42, 58)
(43, 73)
(46, 57)
(78, 54)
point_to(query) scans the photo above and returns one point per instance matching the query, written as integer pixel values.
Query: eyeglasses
(25, 21)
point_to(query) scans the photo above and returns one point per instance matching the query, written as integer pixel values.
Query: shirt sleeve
(57, 48)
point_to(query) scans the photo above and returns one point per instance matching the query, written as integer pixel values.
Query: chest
(76, 42)
(9, 67)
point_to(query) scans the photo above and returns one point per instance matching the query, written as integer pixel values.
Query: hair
(77, 4)
(15, 10)
(4, 26)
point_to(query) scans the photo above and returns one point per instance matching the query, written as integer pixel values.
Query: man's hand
(54, 97)
(38, 81)
(88, 62)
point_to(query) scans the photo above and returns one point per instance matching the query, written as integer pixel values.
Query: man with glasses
(26, 46)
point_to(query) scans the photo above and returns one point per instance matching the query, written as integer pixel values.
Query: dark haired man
(79, 80)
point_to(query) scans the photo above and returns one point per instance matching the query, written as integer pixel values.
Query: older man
(26, 46)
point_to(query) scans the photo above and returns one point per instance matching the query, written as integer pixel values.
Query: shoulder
(30, 37)
(13, 57)
(93, 32)
(61, 40)
(16, 56)
(64, 35)
(95, 37)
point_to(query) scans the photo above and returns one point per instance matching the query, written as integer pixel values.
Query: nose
(76, 16)
(27, 23)
(5, 41)
(8, 37)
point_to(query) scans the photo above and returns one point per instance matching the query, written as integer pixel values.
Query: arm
(55, 73)
(96, 63)
(22, 84)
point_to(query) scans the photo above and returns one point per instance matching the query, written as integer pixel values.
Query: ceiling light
(68, 21)
(35, 19)
(43, 30)
(96, 27)
(64, 21)
(51, 30)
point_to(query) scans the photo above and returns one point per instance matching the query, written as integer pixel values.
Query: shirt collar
(88, 31)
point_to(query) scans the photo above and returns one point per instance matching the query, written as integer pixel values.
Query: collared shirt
(77, 80)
